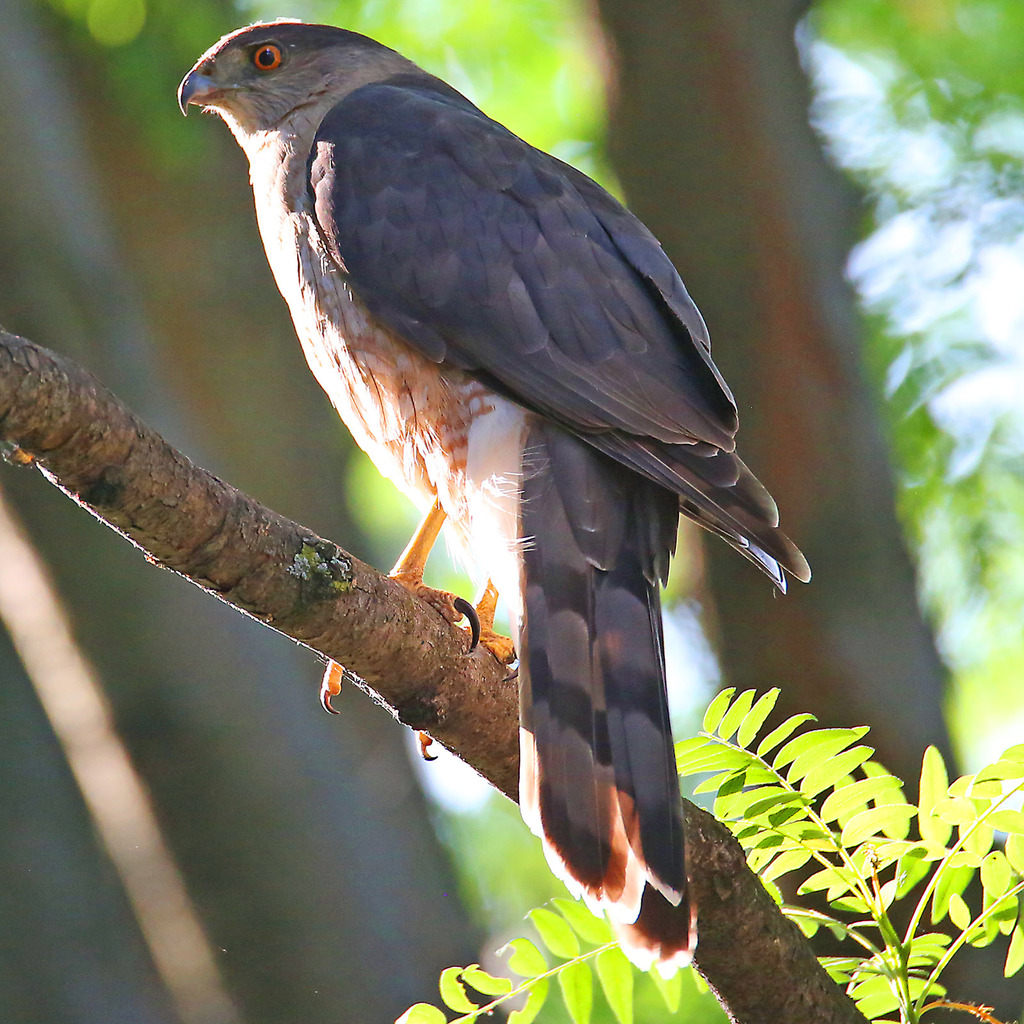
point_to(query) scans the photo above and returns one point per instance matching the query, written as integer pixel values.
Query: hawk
(515, 351)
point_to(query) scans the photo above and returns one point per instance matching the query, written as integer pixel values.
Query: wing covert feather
(483, 251)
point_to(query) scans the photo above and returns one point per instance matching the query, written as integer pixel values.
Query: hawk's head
(257, 77)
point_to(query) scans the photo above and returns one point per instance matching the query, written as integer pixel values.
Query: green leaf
(1015, 852)
(768, 841)
(827, 774)
(773, 890)
(965, 859)
(892, 820)
(732, 783)
(616, 975)
(717, 708)
(951, 881)
(585, 924)
(1003, 770)
(1015, 954)
(760, 804)
(1013, 753)
(755, 718)
(934, 829)
(733, 792)
(887, 893)
(555, 933)
(959, 912)
(828, 878)
(980, 840)
(913, 867)
(782, 732)
(538, 993)
(961, 786)
(781, 815)
(691, 745)
(713, 758)
(691, 751)
(423, 1013)
(808, 925)
(488, 984)
(840, 968)
(874, 997)
(1004, 914)
(736, 713)
(891, 850)
(927, 950)
(855, 796)
(452, 992)
(803, 752)
(671, 988)
(851, 904)
(984, 934)
(1006, 821)
(995, 874)
(956, 810)
(526, 959)
(934, 786)
(808, 833)
(776, 798)
(577, 985)
(967, 786)
(934, 780)
(714, 782)
(788, 861)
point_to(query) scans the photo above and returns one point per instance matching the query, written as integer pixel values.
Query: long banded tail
(598, 780)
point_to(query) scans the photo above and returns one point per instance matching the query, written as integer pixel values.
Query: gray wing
(489, 254)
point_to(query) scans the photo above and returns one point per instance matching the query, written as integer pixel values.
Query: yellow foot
(409, 568)
(426, 742)
(330, 686)
(450, 607)
(500, 646)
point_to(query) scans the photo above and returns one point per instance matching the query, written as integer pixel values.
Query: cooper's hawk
(515, 351)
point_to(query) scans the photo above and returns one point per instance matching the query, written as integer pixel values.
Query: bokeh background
(840, 184)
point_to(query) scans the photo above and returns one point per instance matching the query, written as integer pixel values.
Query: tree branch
(91, 446)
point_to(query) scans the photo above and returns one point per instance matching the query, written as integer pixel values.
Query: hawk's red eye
(267, 58)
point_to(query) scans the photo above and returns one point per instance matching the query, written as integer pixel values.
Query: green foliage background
(922, 101)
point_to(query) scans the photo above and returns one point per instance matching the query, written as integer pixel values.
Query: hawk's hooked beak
(196, 88)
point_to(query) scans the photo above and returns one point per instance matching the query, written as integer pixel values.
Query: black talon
(462, 605)
(326, 693)
(425, 744)
(325, 701)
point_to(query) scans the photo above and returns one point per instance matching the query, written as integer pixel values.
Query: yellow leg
(413, 560)
(408, 571)
(409, 568)
(500, 646)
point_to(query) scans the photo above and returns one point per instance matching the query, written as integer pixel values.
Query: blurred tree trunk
(710, 137)
(60, 893)
(305, 840)
(711, 140)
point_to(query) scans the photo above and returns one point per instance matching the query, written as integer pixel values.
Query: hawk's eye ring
(267, 57)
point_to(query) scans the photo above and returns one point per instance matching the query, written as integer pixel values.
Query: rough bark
(281, 574)
(88, 443)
